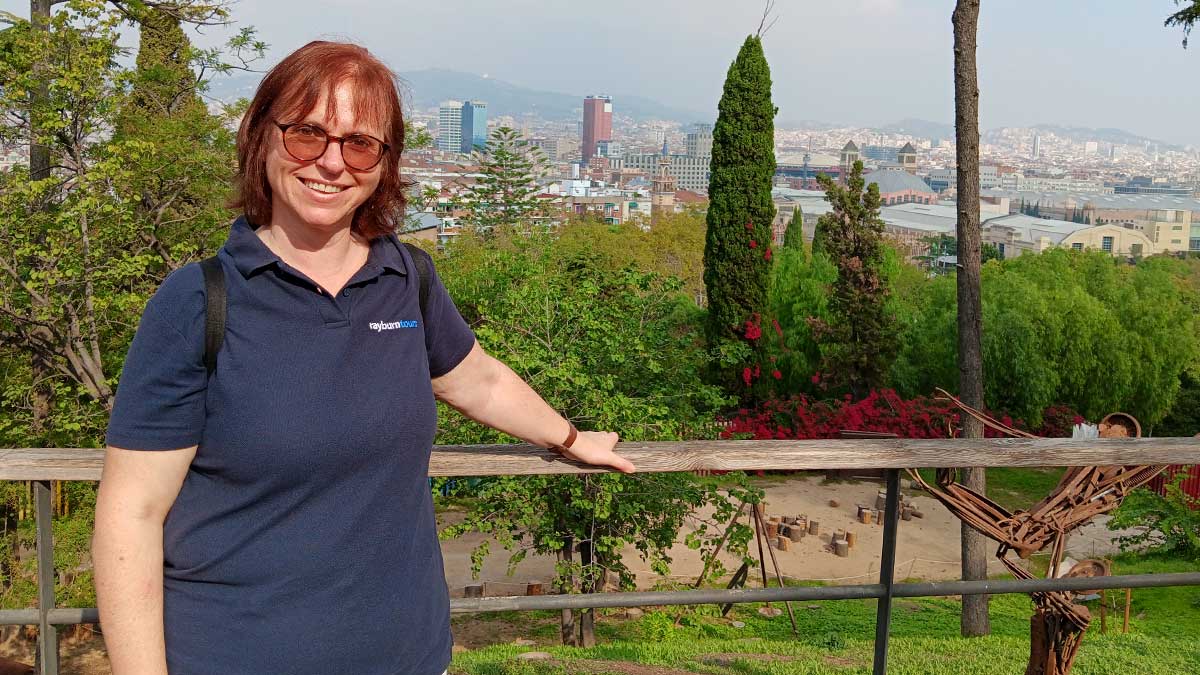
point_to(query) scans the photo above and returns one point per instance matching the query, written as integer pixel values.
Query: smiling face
(322, 193)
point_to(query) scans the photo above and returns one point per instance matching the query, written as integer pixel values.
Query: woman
(284, 523)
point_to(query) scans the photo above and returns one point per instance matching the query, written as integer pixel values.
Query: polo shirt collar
(250, 254)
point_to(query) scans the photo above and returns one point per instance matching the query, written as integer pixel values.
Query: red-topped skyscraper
(597, 124)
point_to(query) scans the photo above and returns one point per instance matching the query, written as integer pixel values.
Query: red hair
(291, 90)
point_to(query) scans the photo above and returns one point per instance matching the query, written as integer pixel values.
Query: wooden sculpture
(1058, 624)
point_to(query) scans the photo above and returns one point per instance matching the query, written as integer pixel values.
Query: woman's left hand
(596, 448)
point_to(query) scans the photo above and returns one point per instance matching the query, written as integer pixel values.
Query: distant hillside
(431, 87)
(921, 128)
(424, 89)
(1118, 136)
(806, 125)
(427, 88)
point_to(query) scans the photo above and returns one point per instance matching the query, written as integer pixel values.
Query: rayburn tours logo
(378, 326)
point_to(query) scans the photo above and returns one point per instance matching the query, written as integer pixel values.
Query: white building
(450, 126)
(699, 143)
(690, 173)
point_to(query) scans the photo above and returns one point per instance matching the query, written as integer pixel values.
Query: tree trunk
(39, 169)
(587, 617)
(566, 621)
(970, 311)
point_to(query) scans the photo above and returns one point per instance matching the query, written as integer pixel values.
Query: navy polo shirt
(303, 539)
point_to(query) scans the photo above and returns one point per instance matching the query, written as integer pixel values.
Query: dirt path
(928, 548)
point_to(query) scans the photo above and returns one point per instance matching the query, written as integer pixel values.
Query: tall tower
(450, 126)
(849, 156)
(1037, 146)
(597, 124)
(907, 157)
(662, 187)
(474, 125)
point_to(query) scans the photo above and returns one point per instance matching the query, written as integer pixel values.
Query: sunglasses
(307, 142)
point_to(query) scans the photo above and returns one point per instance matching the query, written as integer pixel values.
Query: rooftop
(1032, 229)
(897, 181)
(1100, 201)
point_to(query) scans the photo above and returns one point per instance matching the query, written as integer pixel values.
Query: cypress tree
(793, 236)
(164, 84)
(737, 245)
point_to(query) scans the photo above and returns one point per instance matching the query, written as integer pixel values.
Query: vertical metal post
(887, 571)
(47, 654)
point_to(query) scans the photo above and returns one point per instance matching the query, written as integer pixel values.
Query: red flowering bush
(802, 418)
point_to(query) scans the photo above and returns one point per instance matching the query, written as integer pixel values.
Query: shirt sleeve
(160, 402)
(448, 339)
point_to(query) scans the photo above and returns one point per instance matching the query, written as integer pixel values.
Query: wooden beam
(892, 453)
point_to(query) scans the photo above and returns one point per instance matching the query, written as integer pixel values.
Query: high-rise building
(699, 142)
(607, 149)
(474, 125)
(450, 126)
(1037, 146)
(597, 124)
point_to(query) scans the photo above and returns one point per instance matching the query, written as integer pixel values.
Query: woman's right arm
(137, 489)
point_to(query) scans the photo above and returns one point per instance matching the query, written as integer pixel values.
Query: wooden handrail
(667, 456)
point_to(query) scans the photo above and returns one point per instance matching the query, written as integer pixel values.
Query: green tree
(737, 247)
(506, 192)
(611, 351)
(178, 153)
(1185, 18)
(799, 301)
(81, 258)
(673, 247)
(989, 251)
(793, 236)
(860, 336)
(1056, 325)
(1184, 417)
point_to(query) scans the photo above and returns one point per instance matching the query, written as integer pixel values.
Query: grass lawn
(1016, 488)
(837, 637)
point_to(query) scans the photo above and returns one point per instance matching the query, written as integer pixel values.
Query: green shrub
(1171, 522)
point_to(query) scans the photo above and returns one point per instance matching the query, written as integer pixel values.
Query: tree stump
(814, 528)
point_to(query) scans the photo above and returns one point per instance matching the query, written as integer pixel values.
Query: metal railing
(42, 465)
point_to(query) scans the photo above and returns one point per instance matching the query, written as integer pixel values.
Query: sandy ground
(928, 548)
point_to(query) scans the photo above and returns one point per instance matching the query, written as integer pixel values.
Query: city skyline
(1106, 64)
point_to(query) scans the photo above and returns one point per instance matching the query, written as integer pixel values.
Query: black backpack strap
(214, 310)
(424, 271)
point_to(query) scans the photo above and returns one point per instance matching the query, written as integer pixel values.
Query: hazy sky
(1096, 63)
